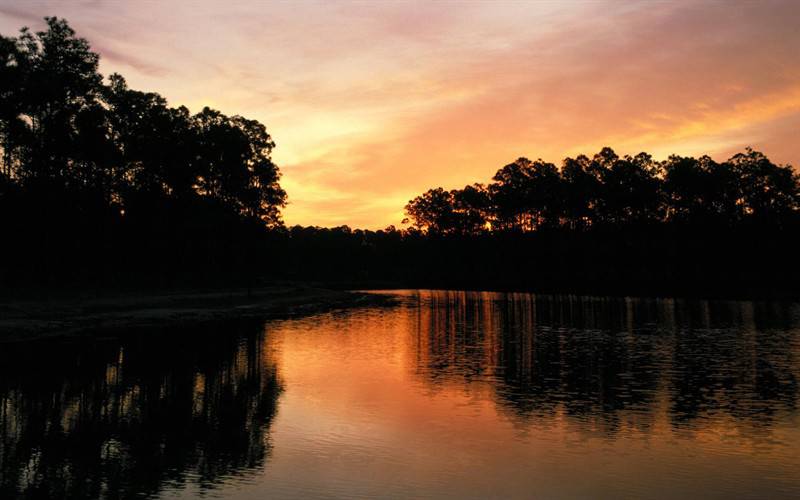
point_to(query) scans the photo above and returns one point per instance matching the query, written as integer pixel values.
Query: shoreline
(28, 320)
(65, 315)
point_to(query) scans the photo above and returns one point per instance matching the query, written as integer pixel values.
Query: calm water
(446, 394)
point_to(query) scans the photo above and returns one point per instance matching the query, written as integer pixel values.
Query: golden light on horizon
(372, 104)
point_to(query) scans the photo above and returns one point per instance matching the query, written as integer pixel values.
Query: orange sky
(371, 103)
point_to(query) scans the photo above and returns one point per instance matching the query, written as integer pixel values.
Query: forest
(100, 182)
(608, 190)
(105, 186)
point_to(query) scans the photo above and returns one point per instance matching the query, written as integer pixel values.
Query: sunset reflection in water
(451, 394)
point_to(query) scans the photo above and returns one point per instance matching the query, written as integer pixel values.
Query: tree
(472, 208)
(769, 192)
(581, 189)
(13, 68)
(154, 142)
(526, 195)
(629, 188)
(99, 170)
(58, 82)
(432, 211)
(613, 191)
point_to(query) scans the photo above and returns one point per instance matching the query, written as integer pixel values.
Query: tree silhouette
(526, 195)
(98, 176)
(472, 206)
(611, 224)
(104, 185)
(768, 192)
(608, 190)
(433, 211)
(581, 189)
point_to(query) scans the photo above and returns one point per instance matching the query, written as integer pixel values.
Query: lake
(443, 394)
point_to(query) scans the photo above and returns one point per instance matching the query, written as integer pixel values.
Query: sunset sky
(371, 103)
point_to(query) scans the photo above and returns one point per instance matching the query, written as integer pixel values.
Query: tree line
(92, 168)
(103, 185)
(609, 190)
(64, 129)
(600, 225)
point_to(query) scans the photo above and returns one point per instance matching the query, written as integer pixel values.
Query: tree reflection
(602, 362)
(122, 419)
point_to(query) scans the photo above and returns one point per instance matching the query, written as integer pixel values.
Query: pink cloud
(371, 104)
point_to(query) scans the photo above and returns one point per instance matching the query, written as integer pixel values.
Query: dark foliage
(101, 183)
(646, 260)
(627, 225)
(612, 192)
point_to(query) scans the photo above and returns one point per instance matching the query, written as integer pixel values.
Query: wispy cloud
(372, 103)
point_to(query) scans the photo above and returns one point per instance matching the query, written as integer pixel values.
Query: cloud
(677, 78)
(371, 104)
(121, 58)
(18, 14)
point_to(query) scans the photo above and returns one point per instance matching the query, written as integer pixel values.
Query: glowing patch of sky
(371, 103)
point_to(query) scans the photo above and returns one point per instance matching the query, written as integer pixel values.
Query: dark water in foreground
(448, 394)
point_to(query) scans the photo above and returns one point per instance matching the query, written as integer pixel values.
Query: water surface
(446, 394)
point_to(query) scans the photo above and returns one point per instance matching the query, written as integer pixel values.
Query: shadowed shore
(82, 314)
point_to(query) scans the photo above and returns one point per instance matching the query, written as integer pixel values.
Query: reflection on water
(603, 359)
(448, 394)
(110, 419)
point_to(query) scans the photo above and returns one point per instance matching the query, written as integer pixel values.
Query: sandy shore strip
(63, 317)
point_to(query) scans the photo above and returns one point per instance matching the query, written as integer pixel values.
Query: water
(446, 394)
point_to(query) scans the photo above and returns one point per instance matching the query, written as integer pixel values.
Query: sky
(371, 103)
